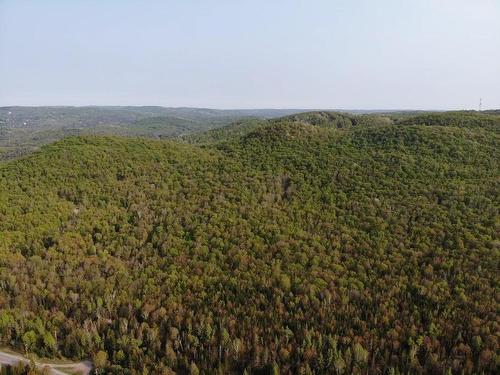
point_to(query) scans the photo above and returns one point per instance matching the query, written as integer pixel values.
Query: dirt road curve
(55, 369)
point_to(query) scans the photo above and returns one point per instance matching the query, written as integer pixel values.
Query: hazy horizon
(345, 55)
(250, 109)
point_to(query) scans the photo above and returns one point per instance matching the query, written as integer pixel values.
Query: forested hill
(289, 246)
(465, 119)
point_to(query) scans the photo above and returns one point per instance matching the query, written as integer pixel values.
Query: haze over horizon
(289, 54)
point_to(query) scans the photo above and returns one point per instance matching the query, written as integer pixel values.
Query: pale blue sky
(365, 54)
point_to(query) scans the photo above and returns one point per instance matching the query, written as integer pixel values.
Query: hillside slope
(290, 247)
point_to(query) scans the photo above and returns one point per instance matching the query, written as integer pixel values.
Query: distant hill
(346, 120)
(492, 112)
(328, 119)
(311, 244)
(24, 129)
(465, 119)
(338, 119)
(96, 115)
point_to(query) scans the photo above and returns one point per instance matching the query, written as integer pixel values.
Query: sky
(314, 54)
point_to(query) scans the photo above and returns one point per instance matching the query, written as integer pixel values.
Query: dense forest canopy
(318, 243)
